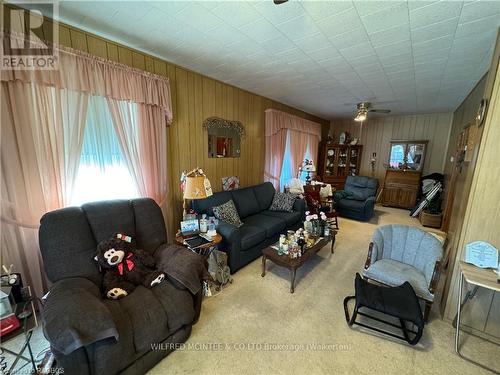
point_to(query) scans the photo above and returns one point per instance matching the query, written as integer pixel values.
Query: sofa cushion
(357, 193)
(282, 202)
(108, 217)
(204, 206)
(272, 225)
(351, 204)
(290, 218)
(246, 202)
(265, 194)
(394, 273)
(227, 212)
(251, 236)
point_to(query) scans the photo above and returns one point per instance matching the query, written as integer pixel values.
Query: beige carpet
(256, 326)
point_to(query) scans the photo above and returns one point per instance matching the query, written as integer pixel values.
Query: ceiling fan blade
(278, 2)
(380, 110)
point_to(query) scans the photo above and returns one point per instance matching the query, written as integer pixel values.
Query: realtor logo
(28, 38)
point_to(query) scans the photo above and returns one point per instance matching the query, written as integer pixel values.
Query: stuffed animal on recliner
(125, 267)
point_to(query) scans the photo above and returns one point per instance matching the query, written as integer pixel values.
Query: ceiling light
(361, 115)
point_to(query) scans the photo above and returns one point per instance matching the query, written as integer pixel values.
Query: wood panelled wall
(194, 98)
(377, 133)
(478, 214)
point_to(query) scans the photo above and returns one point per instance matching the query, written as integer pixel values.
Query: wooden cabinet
(336, 162)
(401, 188)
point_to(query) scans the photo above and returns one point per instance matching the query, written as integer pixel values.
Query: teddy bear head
(111, 252)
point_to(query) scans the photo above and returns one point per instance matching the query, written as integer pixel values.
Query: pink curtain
(40, 152)
(302, 134)
(82, 72)
(146, 154)
(43, 120)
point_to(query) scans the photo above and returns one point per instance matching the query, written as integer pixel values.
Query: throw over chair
(400, 253)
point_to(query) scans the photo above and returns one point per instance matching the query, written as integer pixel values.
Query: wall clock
(481, 112)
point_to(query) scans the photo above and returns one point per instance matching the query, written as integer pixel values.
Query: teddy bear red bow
(125, 267)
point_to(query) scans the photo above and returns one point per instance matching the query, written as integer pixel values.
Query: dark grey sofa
(357, 200)
(124, 329)
(260, 228)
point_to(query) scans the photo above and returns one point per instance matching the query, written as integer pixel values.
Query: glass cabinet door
(330, 161)
(342, 162)
(353, 161)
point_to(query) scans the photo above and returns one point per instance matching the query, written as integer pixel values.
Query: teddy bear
(125, 266)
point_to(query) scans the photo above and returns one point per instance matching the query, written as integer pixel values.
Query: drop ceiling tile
(476, 10)
(390, 59)
(198, 17)
(394, 49)
(350, 38)
(260, 30)
(357, 51)
(430, 46)
(235, 13)
(321, 9)
(324, 54)
(340, 23)
(386, 18)
(170, 8)
(277, 44)
(278, 14)
(432, 56)
(436, 30)
(435, 12)
(390, 36)
(298, 28)
(480, 26)
(369, 7)
(312, 42)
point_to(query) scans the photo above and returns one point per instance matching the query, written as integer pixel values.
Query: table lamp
(308, 167)
(195, 186)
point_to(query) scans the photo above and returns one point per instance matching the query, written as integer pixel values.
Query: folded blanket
(74, 315)
(182, 265)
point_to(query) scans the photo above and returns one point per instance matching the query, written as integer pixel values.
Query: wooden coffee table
(293, 264)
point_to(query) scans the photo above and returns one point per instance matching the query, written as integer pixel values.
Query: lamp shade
(197, 187)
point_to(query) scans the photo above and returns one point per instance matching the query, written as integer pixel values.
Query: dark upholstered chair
(261, 227)
(92, 335)
(357, 200)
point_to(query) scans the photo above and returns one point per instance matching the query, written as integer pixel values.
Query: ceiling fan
(363, 108)
(278, 2)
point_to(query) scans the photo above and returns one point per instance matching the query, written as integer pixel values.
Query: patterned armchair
(400, 253)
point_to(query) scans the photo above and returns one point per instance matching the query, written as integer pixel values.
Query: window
(103, 172)
(287, 169)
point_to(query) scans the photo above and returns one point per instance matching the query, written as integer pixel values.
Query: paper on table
(481, 254)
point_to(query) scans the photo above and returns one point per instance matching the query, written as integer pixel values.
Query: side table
(478, 277)
(203, 250)
(25, 312)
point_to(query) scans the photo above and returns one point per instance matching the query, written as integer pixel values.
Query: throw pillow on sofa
(282, 202)
(227, 212)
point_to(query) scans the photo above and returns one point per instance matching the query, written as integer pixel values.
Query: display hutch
(337, 161)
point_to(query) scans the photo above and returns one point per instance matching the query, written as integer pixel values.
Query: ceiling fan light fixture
(361, 115)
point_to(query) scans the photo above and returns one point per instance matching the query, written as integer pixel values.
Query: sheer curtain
(44, 118)
(40, 151)
(103, 172)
